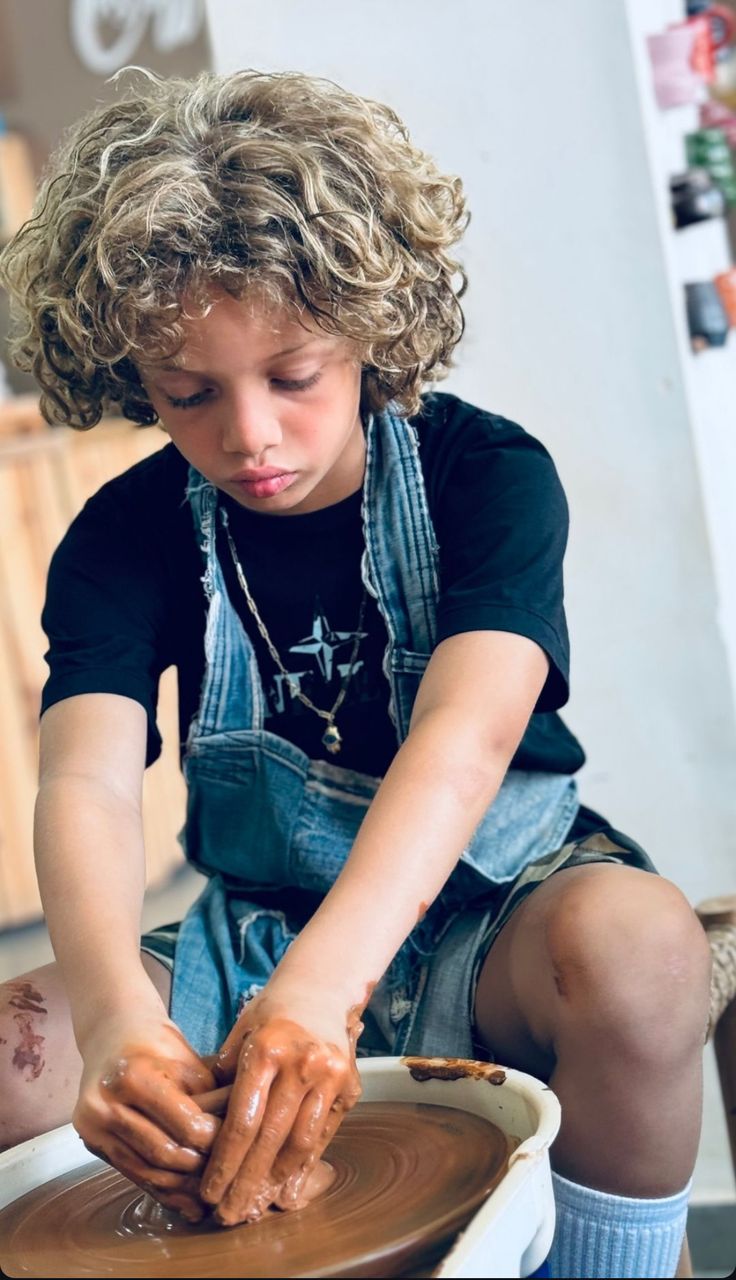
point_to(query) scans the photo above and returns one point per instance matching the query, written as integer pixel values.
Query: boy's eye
(296, 384)
(188, 402)
(283, 384)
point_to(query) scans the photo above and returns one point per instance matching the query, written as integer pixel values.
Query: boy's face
(264, 407)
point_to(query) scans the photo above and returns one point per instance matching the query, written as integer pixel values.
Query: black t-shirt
(125, 598)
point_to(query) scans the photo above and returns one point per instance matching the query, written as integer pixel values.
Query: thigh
(40, 1066)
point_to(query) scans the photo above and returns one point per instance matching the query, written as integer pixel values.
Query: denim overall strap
(400, 563)
(231, 696)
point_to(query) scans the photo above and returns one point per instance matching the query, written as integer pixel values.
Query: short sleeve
(502, 521)
(104, 611)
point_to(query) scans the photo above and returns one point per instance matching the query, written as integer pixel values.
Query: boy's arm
(470, 714)
(90, 860)
(134, 1105)
(472, 708)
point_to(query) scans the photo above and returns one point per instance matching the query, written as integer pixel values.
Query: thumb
(194, 1076)
(226, 1060)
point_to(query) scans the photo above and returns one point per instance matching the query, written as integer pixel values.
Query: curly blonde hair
(280, 181)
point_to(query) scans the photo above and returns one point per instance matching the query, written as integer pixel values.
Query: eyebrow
(176, 366)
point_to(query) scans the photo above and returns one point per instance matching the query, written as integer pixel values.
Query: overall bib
(263, 820)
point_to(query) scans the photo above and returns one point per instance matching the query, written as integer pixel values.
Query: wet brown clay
(408, 1177)
(454, 1069)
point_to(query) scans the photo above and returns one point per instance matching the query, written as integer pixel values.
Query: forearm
(432, 798)
(91, 871)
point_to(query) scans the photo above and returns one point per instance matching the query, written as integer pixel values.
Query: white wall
(697, 252)
(570, 332)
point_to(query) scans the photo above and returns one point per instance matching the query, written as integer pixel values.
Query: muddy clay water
(407, 1178)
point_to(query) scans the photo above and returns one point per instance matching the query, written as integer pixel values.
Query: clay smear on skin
(353, 1017)
(28, 1054)
(29, 1050)
(453, 1069)
(26, 997)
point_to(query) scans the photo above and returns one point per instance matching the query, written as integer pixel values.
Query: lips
(264, 483)
(262, 473)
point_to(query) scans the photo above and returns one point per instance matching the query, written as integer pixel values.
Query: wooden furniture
(718, 917)
(46, 476)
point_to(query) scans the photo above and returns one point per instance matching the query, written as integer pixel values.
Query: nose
(250, 426)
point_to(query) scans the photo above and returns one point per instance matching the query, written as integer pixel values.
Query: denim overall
(262, 816)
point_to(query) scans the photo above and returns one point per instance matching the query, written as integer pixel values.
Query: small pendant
(331, 739)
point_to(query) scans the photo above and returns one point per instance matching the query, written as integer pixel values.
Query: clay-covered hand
(292, 1058)
(135, 1108)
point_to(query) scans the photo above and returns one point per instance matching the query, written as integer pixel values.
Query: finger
(245, 1112)
(193, 1077)
(178, 1191)
(320, 1115)
(162, 1099)
(254, 1185)
(292, 1189)
(215, 1101)
(189, 1206)
(303, 1146)
(151, 1143)
(226, 1060)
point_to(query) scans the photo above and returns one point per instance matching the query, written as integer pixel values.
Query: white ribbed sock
(601, 1235)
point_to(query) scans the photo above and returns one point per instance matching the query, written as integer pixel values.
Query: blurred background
(596, 143)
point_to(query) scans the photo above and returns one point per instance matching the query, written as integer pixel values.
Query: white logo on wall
(106, 33)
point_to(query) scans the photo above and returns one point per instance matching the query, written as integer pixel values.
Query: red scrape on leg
(28, 1052)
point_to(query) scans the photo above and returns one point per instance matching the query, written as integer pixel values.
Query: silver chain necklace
(331, 738)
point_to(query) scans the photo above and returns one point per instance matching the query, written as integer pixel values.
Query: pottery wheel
(408, 1177)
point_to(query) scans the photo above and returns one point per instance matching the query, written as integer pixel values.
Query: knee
(630, 962)
(22, 1062)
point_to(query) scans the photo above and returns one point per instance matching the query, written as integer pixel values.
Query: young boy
(360, 585)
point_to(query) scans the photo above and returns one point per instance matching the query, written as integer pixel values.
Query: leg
(40, 1066)
(599, 984)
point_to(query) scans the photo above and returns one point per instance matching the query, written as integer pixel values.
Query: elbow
(468, 759)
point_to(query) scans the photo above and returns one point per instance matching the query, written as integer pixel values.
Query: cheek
(328, 420)
(327, 432)
(194, 446)
(308, 426)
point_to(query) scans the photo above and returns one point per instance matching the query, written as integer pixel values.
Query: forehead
(252, 326)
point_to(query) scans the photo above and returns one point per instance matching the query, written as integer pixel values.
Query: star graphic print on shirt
(324, 647)
(313, 624)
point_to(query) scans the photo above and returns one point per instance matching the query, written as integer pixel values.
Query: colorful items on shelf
(686, 56)
(725, 283)
(723, 23)
(722, 19)
(695, 197)
(679, 67)
(707, 320)
(716, 115)
(709, 149)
